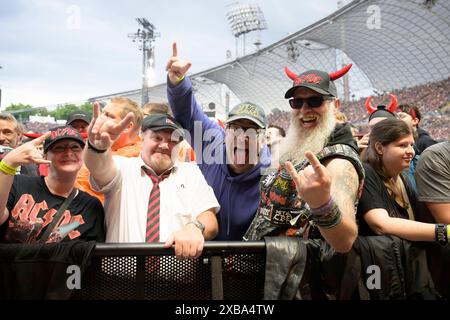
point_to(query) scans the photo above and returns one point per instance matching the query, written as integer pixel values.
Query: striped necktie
(152, 228)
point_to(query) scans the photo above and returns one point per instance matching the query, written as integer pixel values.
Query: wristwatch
(198, 224)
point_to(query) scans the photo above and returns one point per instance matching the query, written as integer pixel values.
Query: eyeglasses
(234, 126)
(313, 102)
(75, 148)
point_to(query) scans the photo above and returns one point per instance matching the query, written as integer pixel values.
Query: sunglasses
(313, 102)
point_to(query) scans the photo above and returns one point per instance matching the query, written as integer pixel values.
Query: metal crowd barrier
(224, 271)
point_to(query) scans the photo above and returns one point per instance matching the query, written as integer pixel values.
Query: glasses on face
(75, 148)
(313, 102)
(235, 127)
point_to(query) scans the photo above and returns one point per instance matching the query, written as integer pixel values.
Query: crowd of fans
(432, 100)
(37, 127)
(132, 188)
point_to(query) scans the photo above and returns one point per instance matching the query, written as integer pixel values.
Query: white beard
(299, 140)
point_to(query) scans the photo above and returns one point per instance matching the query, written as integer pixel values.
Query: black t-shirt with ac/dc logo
(32, 208)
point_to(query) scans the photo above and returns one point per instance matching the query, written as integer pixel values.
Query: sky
(66, 51)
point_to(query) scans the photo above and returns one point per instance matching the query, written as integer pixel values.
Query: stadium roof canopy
(392, 43)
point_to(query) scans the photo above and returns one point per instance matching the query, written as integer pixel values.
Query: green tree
(22, 112)
(62, 111)
(87, 107)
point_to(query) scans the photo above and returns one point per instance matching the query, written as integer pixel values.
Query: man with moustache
(150, 198)
(315, 190)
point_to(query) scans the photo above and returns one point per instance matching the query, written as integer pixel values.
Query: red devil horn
(369, 107)
(32, 135)
(340, 73)
(84, 135)
(290, 74)
(393, 104)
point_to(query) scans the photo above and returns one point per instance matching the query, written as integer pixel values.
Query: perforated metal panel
(109, 278)
(167, 278)
(243, 276)
(178, 279)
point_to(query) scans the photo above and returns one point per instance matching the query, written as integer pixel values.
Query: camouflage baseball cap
(249, 111)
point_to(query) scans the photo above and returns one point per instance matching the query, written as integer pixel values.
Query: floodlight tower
(146, 36)
(344, 62)
(243, 19)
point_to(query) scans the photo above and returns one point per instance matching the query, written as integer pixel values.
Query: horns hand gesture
(103, 131)
(313, 183)
(27, 153)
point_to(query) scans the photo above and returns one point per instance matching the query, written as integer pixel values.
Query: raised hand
(313, 183)
(103, 131)
(363, 143)
(176, 68)
(27, 153)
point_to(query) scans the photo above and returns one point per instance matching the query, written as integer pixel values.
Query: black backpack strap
(57, 216)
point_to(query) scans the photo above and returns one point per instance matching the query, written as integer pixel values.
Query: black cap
(249, 111)
(382, 112)
(315, 80)
(62, 133)
(78, 115)
(157, 122)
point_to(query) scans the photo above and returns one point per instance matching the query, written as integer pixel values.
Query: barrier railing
(224, 271)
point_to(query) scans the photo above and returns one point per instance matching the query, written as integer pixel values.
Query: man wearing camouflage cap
(234, 167)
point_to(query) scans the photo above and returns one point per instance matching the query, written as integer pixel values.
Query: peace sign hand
(176, 68)
(313, 183)
(27, 153)
(103, 131)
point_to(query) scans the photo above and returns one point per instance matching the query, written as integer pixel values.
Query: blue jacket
(238, 195)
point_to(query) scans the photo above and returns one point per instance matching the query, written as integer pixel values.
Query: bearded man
(315, 189)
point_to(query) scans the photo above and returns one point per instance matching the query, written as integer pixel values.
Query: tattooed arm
(344, 190)
(336, 179)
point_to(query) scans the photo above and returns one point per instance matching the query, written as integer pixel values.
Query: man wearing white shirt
(187, 205)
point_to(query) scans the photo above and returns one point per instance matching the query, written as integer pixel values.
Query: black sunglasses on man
(313, 102)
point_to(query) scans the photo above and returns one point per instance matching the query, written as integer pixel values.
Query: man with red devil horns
(315, 190)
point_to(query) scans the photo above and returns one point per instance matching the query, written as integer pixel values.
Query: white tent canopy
(392, 43)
